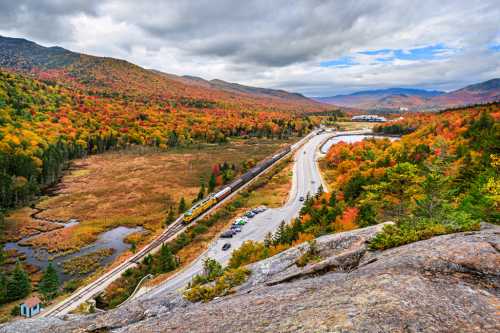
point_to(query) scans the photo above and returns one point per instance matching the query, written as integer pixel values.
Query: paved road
(306, 179)
(83, 294)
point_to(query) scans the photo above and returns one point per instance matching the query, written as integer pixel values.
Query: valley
(165, 168)
(118, 198)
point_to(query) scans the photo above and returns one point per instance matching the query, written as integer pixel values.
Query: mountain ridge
(415, 99)
(113, 75)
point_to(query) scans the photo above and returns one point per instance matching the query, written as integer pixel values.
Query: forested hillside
(56, 105)
(44, 125)
(101, 76)
(441, 178)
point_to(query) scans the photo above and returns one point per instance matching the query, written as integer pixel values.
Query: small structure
(31, 307)
(370, 118)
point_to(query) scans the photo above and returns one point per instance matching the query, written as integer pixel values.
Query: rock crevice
(448, 283)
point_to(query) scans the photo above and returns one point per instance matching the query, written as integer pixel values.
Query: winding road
(306, 179)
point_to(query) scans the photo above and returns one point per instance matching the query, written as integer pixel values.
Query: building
(31, 307)
(370, 118)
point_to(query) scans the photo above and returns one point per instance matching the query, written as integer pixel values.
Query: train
(203, 205)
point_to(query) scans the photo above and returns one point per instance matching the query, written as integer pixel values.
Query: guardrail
(139, 285)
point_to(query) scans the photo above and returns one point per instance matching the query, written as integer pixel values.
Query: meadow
(133, 187)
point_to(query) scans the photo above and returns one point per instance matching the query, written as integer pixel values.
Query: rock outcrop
(445, 284)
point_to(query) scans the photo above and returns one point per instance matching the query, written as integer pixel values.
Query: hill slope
(483, 92)
(114, 76)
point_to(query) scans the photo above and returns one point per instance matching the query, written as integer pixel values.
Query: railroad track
(94, 287)
(100, 284)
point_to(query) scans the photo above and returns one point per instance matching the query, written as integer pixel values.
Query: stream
(40, 258)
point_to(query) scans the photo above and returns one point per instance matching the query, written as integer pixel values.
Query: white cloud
(274, 43)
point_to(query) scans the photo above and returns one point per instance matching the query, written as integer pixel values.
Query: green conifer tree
(49, 285)
(280, 234)
(170, 217)
(211, 183)
(3, 287)
(167, 259)
(19, 284)
(182, 205)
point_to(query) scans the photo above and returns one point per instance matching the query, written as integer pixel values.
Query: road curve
(91, 290)
(306, 179)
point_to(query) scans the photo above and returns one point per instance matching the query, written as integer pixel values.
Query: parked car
(249, 214)
(301, 199)
(226, 247)
(227, 234)
(236, 229)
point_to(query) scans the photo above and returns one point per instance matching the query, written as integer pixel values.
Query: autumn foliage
(43, 124)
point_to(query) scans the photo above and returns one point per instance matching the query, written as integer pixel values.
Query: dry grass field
(130, 188)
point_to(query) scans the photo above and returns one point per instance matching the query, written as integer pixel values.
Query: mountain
(237, 88)
(382, 98)
(417, 99)
(488, 91)
(114, 76)
(23, 54)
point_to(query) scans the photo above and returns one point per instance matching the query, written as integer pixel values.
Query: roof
(32, 302)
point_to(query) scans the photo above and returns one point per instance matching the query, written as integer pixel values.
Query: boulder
(448, 283)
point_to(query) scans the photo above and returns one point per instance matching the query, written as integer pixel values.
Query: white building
(370, 118)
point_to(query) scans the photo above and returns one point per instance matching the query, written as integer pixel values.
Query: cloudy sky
(316, 47)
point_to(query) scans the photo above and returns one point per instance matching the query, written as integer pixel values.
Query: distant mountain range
(237, 88)
(119, 76)
(112, 76)
(417, 99)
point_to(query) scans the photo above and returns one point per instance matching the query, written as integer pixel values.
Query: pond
(110, 239)
(351, 138)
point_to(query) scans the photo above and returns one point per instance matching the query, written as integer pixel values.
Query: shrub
(311, 255)
(420, 228)
(71, 285)
(223, 285)
(15, 311)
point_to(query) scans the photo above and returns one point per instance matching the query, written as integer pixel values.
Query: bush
(420, 228)
(311, 255)
(223, 285)
(16, 311)
(71, 285)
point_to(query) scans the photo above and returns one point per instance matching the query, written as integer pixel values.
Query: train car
(222, 193)
(203, 205)
(199, 208)
(236, 184)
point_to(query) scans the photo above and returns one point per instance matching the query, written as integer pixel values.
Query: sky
(315, 47)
